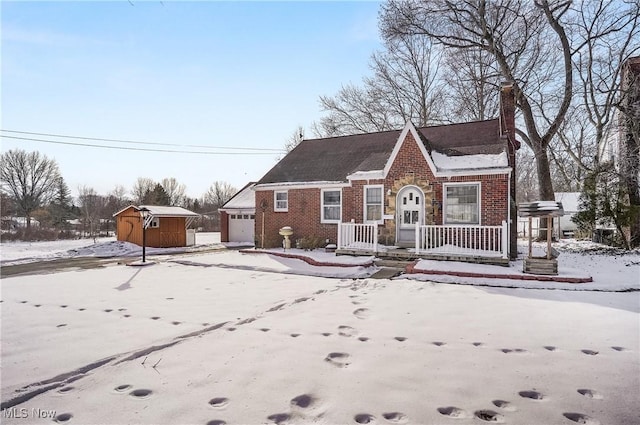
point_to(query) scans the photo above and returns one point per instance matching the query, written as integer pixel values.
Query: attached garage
(238, 217)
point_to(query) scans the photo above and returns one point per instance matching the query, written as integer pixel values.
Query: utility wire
(137, 149)
(137, 142)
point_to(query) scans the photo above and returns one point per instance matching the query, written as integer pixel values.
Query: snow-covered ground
(26, 252)
(225, 337)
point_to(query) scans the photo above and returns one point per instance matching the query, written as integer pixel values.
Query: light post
(144, 213)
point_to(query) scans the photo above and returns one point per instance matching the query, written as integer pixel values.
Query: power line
(136, 142)
(138, 149)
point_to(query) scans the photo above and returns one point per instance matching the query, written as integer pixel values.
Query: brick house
(430, 188)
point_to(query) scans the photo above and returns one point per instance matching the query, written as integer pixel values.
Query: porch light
(144, 213)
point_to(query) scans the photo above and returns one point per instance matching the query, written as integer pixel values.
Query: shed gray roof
(334, 158)
(162, 211)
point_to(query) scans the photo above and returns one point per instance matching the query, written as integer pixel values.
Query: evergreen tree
(156, 196)
(60, 207)
(603, 206)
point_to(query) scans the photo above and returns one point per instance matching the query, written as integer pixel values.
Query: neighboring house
(238, 216)
(168, 226)
(446, 189)
(14, 223)
(564, 226)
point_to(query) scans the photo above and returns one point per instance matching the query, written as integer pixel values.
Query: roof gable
(409, 129)
(244, 199)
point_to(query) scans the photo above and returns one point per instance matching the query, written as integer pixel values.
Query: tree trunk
(545, 187)
(545, 184)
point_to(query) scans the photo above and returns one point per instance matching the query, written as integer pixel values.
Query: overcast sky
(206, 74)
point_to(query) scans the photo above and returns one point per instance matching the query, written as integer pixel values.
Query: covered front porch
(474, 244)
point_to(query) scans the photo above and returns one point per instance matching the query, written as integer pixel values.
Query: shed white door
(241, 227)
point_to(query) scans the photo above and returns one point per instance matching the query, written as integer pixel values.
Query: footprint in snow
(364, 418)
(581, 418)
(489, 416)
(337, 359)
(590, 393)
(532, 395)
(453, 412)
(505, 405)
(63, 418)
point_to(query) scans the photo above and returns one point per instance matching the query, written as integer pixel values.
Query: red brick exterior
(409, 167)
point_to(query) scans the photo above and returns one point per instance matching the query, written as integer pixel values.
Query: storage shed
(238, 216)
(168, 226)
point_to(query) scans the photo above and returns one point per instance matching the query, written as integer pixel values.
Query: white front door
(409, 213)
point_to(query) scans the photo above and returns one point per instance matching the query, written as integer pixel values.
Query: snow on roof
(163, 211)
(466, 162)
(243, 200)
(570, 200)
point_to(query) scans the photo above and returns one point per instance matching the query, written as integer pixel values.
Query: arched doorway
(409, 214)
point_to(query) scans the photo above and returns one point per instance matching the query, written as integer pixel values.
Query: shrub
(309, 243)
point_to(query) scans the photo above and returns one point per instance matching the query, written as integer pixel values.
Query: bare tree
(92, 207)
(472, 85)
(526, 176)
(219, 193)
(118, 197)
(403, 88)
(30, 178)
(141, 188)
(294, 139)
(528, 42)
(175, 191)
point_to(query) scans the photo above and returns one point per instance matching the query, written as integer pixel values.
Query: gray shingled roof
(334, 158)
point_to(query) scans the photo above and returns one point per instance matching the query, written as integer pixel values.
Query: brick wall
(409, 168)
(303, 216)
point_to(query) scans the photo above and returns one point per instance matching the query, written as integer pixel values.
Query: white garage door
(241, 227)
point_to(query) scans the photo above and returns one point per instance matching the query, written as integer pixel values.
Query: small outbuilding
(167, 227)
(571, 205)
(238, 216)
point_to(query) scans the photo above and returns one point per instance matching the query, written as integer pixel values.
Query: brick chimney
(508, 112)
(508, 132)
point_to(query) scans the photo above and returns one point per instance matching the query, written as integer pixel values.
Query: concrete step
(387, 273)
(391, 262)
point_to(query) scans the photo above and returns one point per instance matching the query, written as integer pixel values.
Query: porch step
(393, 263)
(387, 273)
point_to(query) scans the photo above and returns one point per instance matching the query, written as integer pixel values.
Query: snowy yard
(225, 337)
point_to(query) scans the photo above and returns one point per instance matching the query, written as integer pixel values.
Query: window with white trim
(331, 205)
(281, 201)
(462, 203)
(373, 203)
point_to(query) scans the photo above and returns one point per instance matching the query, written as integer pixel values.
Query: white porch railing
(358, 236)
(480, 241)
(470, 241)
